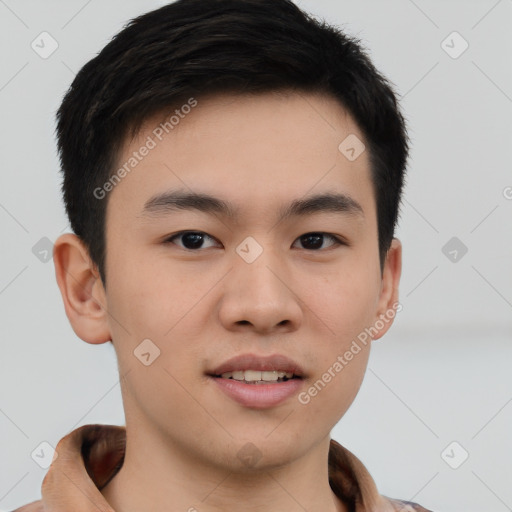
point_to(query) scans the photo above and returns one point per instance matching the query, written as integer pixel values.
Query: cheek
(342, 348)
(156, 303)
(156, 306)
(331, 393)
(342, 304)
(146, 297)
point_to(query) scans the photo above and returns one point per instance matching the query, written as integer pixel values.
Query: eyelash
(337, 240)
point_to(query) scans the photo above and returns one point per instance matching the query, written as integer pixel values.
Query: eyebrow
(165, 203)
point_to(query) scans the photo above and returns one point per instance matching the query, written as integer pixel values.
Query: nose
(260, 296)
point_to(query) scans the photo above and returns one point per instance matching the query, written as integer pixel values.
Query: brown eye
(190, 240)
(315, 241)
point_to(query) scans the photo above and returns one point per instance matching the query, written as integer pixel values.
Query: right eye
(191, 240)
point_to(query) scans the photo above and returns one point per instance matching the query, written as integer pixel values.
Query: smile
(257, 376)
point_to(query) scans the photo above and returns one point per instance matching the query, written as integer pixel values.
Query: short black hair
(193, 48)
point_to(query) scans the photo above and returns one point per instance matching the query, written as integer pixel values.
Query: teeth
(269, 376)
(256, 375)
(252, 375)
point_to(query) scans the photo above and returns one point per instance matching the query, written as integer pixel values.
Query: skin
(201, 308)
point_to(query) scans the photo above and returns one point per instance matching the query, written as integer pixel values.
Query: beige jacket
(90, 456)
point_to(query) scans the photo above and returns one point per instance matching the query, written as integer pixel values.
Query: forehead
(254, 150)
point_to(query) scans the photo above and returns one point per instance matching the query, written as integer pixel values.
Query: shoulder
(407, 506)
(353, 484)
(35, 506)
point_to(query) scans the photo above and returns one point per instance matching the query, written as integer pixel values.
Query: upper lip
(276, 362)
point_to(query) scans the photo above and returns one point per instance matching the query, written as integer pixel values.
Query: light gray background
(442, 373)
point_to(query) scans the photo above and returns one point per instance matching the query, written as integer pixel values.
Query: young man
(232, 175)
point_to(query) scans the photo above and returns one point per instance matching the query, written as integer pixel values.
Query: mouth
(258, 381)
(251, 368)
(258, 377)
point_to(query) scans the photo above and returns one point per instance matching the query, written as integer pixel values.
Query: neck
(161, 476)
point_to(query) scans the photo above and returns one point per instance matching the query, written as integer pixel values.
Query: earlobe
(81, 289)
(388, 304)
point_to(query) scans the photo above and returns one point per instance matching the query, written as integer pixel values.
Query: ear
(388, 304)
(81, 289)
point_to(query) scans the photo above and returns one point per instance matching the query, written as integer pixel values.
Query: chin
(267, 451)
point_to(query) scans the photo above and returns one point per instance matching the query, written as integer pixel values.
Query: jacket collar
(89, 457)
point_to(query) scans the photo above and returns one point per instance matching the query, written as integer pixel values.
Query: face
(262, 278)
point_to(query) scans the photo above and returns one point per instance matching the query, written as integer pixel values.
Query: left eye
(316, 240)
(193, 240)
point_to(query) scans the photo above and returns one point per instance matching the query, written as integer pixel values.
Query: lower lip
(259, 396)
